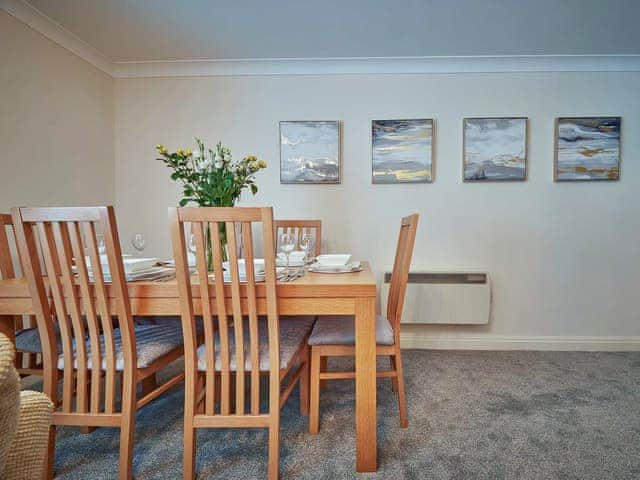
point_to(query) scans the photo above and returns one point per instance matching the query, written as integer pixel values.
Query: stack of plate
(335, 263)
(134, 268)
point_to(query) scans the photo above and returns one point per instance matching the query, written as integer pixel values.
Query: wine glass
(138, 241)
(306, 241)
(102, 248)
(191, 243)
(287, 245)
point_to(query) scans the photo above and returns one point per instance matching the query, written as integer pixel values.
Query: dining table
(312, 294)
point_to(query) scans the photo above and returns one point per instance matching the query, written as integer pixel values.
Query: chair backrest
(400, 274)
(299, 227)
(25, 361)
(83, 306)
(232, 301)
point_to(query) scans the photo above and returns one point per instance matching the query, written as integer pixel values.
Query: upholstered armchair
(25, 418)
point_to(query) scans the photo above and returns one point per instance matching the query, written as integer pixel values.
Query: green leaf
(254, 188)
(184, 202)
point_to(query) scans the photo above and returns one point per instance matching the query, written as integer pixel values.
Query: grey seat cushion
(152, 343)
(293, 333)
(340, 330)
(28, 340)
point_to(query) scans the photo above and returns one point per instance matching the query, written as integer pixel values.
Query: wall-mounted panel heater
(444, 298)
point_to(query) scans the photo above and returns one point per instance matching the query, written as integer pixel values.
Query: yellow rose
(262, 164)
(188, 152)
(180, 151)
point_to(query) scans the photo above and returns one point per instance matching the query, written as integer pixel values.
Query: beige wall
(56, 126)
(564, 256)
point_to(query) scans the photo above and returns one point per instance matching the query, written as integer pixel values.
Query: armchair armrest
(27, 453)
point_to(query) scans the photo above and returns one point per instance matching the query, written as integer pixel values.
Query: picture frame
(402, 151)
(495, 149)
(310, 151)
(587, 149)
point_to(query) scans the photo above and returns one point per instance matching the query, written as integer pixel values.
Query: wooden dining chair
(334, 336)
(23, 334)
(99, 338)
(299, 227)
(239, 346)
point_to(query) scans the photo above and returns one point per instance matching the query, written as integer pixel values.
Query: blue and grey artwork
(310, 152)
(495, 149)
(588, 148)
(401, 151)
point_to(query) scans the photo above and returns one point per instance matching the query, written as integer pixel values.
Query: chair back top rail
(400, 273)
(232, 341)
(300, 227)
(66, 239)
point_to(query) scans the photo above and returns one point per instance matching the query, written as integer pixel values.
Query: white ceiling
(142, 30)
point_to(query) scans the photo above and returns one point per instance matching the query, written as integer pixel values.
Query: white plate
(333, 259)
(349, 268)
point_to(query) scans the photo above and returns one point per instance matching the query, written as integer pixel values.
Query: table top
(356, 284)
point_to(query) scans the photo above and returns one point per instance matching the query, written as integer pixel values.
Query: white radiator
(444, 298)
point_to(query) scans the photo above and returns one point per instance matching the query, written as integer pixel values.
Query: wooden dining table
(312, 294)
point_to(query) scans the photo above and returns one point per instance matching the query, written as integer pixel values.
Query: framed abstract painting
(587, 149)
(401, 151)
(310, 152)
(494, 149)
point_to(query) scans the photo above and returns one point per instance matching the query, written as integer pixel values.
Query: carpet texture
(485, 415)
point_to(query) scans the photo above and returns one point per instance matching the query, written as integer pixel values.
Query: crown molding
(55, 32)
(46, 26)
(379, 65)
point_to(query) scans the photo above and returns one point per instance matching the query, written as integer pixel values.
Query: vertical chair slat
(105, 318)
(123, 311)
(183, 277)
(49, 254)
(65, 255)
(254, 339)
(223, 324)
(26, 238)
(238, 326)
(272, 316)
(207, 317)
(6, 265)
(301, 227)
(90, 315)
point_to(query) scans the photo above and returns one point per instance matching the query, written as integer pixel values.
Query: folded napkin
(296, 259)
(131, 265)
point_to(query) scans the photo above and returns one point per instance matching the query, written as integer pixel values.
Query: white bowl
(333, 260)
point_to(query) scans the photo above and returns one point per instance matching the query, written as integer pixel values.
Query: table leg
(366, 419)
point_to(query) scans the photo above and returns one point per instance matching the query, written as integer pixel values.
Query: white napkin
(296, 259)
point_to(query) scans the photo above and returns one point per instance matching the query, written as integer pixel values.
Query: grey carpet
(487, 415)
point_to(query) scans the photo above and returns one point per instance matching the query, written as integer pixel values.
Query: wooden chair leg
(314, 394)
(274, 446)
(401, 396)
(304, 384)
(394, 380)
(189, 452)
(85, 430)
(324, 362)
(127, 427)
(50, 455)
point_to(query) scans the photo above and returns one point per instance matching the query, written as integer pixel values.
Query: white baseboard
(504, 342)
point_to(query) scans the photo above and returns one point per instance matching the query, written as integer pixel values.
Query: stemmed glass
(305, 243)
(138, 241)
(102, 248)
(287, 245)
